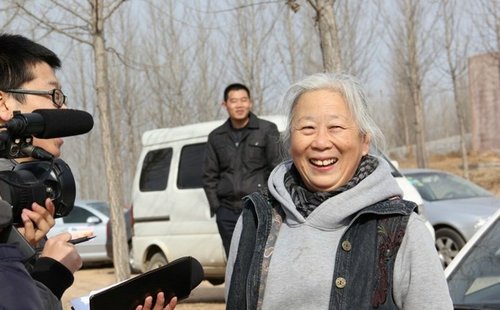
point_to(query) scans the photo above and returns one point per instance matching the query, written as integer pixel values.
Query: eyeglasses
(58, 97)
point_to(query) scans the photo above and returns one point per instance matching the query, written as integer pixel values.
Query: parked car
(409, 191)
(171, 213)
(474, 275)
(128, 213)
(456, 208)
(87, 217)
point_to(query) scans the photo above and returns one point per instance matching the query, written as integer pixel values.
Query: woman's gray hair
(352, 92)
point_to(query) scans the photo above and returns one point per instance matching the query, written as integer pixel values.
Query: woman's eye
(307, 129)
(335, 127)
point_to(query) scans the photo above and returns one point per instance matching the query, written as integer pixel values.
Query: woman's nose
(322, 140)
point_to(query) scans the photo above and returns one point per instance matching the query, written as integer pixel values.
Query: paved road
(205, 296)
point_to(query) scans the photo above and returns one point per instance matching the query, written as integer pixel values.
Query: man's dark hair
(235, 86)
(18, 56)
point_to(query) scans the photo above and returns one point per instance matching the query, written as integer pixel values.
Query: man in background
(240, 156)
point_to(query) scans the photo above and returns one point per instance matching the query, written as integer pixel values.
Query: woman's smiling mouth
(323, 162)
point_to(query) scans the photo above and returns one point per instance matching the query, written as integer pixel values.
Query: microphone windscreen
(64, 123)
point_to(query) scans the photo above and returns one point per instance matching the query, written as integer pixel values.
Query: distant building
(484, 98)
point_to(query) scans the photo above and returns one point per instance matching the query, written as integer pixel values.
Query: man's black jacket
(235, 168)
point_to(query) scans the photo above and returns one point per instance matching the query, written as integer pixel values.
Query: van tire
(157, 260)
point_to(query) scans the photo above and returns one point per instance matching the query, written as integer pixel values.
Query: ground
(205, 296)
(484, 169)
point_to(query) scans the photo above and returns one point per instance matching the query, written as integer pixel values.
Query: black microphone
(50, 123)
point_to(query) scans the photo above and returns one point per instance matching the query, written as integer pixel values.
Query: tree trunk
(328, 34)
(120, 248)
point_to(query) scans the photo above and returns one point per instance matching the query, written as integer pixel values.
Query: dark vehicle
(474, 275)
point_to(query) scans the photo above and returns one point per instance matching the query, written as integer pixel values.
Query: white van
(171, 212)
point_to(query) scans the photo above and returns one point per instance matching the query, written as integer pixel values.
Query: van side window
(155, 169)
(191, 166)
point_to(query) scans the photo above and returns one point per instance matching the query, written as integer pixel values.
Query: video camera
(46, 176)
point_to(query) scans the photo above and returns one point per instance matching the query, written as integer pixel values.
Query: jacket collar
(253, 123)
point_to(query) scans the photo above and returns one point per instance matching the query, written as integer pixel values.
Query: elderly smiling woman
(332, 231)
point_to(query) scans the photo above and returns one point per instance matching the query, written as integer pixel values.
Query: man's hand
(59, 249)
(37, 222)
(160, 300)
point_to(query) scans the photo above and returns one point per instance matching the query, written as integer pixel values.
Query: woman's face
(326, 144)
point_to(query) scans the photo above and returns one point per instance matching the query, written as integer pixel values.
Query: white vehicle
(88, 217)
(171, 212)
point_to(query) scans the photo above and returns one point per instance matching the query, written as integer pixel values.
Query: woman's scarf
(306, 201)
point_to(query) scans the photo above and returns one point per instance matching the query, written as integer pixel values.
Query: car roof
(162, 135)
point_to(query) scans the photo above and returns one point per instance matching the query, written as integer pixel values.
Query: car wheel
(448, 243)
(131, 261)
(157, 260)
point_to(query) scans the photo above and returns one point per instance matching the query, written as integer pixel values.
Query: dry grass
(484, 168)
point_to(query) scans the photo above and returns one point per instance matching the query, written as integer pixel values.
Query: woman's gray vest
(364, 260)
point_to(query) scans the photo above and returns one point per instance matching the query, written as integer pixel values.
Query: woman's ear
(366, 143)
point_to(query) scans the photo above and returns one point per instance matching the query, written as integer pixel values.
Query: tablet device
(177, 278)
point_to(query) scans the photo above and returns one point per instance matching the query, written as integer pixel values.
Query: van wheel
(157, 260)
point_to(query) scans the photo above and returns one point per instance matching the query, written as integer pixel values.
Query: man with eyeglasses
(28, 82)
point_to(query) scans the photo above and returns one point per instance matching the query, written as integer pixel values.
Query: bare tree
(328, 33)
(168, 67)
(488, 25)
(409, 32)
(206, 85)
(94, 36)
(250, 57)
(351, 46)
(357, 36)
(112, 166)
(400, 101)
(456, 56)
(87, 168)
(8, 13)
(128, 94)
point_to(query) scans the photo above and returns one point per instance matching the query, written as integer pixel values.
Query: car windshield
(476, 281)
(100, 206)
(434, 186)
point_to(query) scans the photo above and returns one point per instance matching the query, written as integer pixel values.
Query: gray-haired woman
(332, 232)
